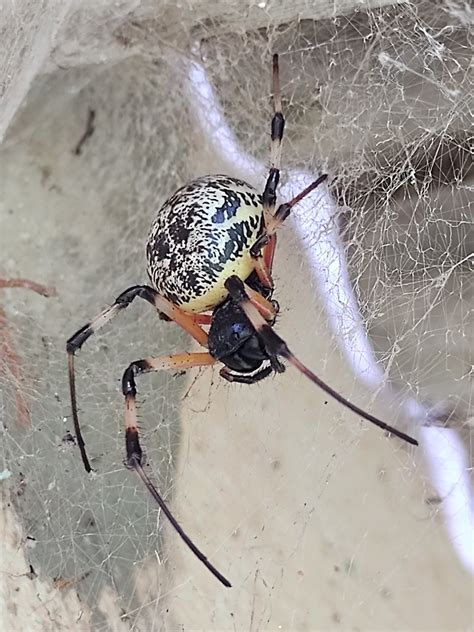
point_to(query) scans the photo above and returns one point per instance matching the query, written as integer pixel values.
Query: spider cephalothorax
(210, 256)
(234, 341)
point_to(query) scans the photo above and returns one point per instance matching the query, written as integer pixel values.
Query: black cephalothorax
(234, 341)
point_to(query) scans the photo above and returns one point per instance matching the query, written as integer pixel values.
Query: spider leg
(162, 305)
(272, 220)
(277, 128)
(264, 306)
(134, 451)
(276, 346)
(263, 265)
(7, 347)
(202, 319)
(269, 252)
(282, 212)
(278, 120)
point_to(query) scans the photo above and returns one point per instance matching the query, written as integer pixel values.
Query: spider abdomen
(201, 236)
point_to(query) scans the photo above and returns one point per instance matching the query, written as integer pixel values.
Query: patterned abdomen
(200, 236)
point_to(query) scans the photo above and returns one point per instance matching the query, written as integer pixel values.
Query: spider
(210, 255)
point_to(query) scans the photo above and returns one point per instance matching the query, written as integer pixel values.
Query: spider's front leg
(178, 362)
(267, 239)
(264, 263)
(264, 248)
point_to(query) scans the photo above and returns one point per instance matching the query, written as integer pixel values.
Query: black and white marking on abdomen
(201, 236)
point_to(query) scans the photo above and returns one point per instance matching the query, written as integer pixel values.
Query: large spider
(210, 255)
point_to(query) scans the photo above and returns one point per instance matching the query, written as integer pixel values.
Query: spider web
(318, 521)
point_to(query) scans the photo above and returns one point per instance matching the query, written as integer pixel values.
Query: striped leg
(161, 304)
(275, 347)
(272, 219)
(268, 237)
(134, 451)
(265, 307)
(263, 264)
(277, 129)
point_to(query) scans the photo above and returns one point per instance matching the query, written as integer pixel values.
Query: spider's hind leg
(132, 442)
(277, 128)
(177, 362)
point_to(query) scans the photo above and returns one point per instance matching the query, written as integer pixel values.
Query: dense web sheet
(317, 521)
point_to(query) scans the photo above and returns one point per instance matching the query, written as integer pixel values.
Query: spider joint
(276, 365)
(79, 338)
(283, 212)
(278, 126)
(274, 345)
(133, 449)
(235, 287)
(255, 250)
(269, 193)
